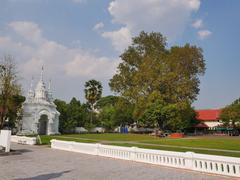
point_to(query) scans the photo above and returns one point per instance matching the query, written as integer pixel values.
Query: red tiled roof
(208, 115)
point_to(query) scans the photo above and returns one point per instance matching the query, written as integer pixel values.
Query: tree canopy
(148, 66)
(73, 114)
(230, 115)
(114, 111)
(149, 70)
(10, 90)
(93, 92)
(107, 101)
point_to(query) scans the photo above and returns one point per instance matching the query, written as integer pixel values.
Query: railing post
(189, 160)
(53, 143)
(70, 146)
(97, 151)
(133, 153)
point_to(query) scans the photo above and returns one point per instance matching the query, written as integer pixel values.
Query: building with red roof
(209, 118)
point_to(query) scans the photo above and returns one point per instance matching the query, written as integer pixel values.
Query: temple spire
(31, 92)
(40, 91)
(31, 85)
(50, 94)
(49, 85)
(42, 74)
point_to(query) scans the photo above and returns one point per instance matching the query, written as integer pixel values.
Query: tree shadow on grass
(45, 176)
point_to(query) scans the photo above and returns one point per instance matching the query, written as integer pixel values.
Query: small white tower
(40, 115)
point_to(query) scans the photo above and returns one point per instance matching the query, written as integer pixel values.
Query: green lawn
(216, 145)
(225, 143)
(46, 139)
(114, 137)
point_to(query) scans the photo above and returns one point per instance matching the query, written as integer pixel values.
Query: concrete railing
(5, 136)
(24, 140)
(221, 165)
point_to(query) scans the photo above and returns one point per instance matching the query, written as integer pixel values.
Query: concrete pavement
(42, 163)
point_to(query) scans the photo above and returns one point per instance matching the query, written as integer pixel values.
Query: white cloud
(121, 38)
(61, 62)
(169, 17)
(86, 65)
(98, 26)
(28, 30)
(198, 23)
(203, 34)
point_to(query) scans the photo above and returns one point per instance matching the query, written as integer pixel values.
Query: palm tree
(93, 92)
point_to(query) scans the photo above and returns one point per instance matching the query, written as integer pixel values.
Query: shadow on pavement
(14, 152)
(45, 176)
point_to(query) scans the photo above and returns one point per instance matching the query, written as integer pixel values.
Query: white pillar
(189, 161)
(5, 139)
(133, 153)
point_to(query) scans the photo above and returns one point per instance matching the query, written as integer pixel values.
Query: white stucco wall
(212, 124)
(32, 114)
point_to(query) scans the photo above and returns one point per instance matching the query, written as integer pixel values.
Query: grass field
(216, 145)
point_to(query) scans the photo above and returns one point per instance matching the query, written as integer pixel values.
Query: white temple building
(40, 115)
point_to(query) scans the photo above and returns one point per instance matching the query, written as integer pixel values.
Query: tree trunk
(91, 117)
(1, 121)
(2, 116)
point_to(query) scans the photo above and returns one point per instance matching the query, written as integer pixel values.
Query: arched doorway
(43, 123)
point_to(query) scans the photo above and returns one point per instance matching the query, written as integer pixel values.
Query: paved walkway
(43, 163)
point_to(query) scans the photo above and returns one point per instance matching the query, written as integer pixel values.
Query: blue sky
(77, 40)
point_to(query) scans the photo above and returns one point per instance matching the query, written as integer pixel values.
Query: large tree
(106, 117)
(230, 115)
(107, 101)
(115, 111)
(148, 67)
(14, 113)
(168, 116)
(62, 108)
(93, 92)
(123, 112)
(73, 114)
(10, 89)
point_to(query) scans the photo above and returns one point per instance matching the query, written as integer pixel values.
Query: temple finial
(30, 92)
(31, 85)
(49, 84)
(42, 74)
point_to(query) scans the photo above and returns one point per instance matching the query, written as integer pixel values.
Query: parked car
(80, 130)
(98, 130)
(234, 133)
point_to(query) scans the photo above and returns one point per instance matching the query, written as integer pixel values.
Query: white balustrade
(228, 166)
(5, 136)
(24, 140)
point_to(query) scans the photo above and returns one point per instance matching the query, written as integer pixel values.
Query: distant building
(209, 118)
(40, 115)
